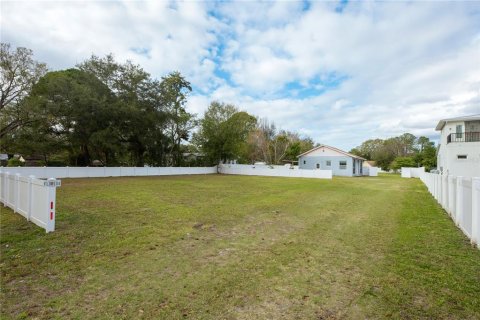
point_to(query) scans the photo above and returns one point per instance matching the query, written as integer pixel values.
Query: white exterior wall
(321, 155)
(447, 160)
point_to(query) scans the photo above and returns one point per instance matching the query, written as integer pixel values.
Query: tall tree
(76, 108)
(18, 73)
(223, 132)
(140, 104)
(174, 90)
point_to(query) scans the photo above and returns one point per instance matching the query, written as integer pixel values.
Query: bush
(400, 162)
(14, 162)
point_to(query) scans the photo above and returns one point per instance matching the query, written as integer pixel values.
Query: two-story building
(459, 149)
(329, 158)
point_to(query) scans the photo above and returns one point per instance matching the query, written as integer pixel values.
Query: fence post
(476, 211)
(459, 201)
(16, 192)
(30, 196)
(50, 225)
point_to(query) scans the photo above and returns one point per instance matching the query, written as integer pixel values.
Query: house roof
(371, 163)
(331, 148)
(442, 122)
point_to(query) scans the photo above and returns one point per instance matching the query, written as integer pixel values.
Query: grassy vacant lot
(237, 247)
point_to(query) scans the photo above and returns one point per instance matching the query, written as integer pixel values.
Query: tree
(156, 121)
(369, 149)
(223, 132)
(421, 150)
(400, 162)
(19, 72)
(174, 90)
(426, 155)
(77, 111)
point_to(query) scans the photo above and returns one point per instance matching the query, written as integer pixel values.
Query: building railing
(464, 137)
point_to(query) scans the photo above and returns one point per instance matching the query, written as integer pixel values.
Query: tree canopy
(406, 149)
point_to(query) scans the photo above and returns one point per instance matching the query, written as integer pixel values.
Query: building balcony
(464, 137)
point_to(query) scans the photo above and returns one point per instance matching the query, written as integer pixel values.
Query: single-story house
(329, 158)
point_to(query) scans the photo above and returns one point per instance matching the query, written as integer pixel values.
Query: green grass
(238, 247)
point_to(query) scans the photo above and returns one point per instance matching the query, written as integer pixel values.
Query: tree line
(405, 150)
(117, 114)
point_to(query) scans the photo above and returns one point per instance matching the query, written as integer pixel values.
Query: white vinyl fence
(273, 171)
(31, 197)
(408, 172)
(97, 172)
(370, 171)
(460, 197)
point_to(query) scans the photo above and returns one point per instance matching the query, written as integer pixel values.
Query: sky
(340, 72)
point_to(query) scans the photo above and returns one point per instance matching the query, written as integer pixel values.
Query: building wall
(447, 158)
(311, 161)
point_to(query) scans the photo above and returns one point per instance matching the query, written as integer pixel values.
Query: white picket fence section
(98, 172)
(460, 197)
(31, 197)
(273, 171)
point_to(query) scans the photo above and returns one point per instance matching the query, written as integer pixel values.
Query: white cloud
(404, 65)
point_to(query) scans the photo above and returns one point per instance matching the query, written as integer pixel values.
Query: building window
(459, 130)
(461, 156)
(304, 162)
(329, 163)
(318, 165)
(343, 164)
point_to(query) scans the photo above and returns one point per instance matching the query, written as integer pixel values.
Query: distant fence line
(273, 171)
(370, 171)
(459, 197)
(408, 172)
(31, 197)
(97, 172)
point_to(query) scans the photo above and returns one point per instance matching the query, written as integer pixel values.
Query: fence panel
(96, 172)
(277, 171)
(466, 220)
(476, 211)
(11, 194)
(452, 190)
(445, 192)
(32, 198)
(23, 204)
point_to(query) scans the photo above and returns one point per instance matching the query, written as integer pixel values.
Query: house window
(304, 162)
(343, 164)
(459, 131)
(329, 163)
(461, 156)
(318, 165)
